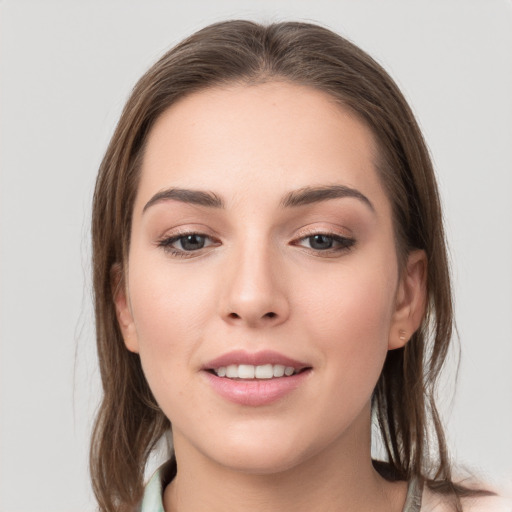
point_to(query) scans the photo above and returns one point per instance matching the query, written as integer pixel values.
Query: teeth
(264, 372)
(279, 370)
(248, 371)
(288, 371)
(232, 371)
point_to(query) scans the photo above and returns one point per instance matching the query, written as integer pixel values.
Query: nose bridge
(254, 293)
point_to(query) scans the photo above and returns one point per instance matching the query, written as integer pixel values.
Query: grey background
(66, 69)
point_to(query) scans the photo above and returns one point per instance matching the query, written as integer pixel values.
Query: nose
(254, 291)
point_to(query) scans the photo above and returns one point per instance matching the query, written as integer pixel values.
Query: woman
(270, 273)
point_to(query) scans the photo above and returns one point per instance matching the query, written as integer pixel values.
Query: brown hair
(129, 423)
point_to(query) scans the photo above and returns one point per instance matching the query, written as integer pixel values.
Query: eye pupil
(320, 242)
(192, 242)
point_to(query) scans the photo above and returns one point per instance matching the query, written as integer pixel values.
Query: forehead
(271, 137)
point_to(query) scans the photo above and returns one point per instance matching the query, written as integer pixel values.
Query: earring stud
(401, 334)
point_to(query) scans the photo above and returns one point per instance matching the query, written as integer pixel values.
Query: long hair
(129, 423)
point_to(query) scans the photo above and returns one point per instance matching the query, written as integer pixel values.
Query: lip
(254, 392)
(255, 359)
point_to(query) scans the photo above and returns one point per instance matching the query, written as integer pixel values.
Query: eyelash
(345, 244)
(167, 244)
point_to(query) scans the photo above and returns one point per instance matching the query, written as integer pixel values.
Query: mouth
(250, 372)
(255, 379)
(263, 365)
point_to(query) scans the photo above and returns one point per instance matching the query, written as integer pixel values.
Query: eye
(191, 242)
(182, 244)
(321, 242)
(326, 242)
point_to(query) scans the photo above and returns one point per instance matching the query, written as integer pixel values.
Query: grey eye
(192, 242)
(328, 243)
(321, 242)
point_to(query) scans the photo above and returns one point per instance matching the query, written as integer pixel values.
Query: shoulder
(435, 502)
(487, 504)
(501, 501)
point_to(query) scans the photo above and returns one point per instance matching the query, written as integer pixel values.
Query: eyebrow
(300, 197)
(198, 197)
(309, 195)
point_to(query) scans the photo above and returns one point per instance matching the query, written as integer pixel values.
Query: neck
(340, 477)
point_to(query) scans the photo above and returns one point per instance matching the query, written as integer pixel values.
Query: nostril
(236, 316)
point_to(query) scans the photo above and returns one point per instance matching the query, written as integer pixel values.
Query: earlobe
(123, 309)
(411, 300)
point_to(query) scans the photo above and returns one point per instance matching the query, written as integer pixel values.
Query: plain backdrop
(66, 69)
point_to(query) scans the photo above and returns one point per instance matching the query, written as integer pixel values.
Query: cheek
(349, 314)
(166, 302)
(170, 320)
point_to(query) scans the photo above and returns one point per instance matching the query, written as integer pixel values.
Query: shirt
(152, 500)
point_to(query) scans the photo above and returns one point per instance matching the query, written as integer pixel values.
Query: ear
(123, 308)
(411, 300)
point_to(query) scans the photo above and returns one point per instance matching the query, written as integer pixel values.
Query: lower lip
(256, 392)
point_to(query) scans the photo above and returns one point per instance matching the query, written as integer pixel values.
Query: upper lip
(255, 359)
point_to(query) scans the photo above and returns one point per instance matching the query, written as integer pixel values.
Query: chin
(263, 454)
(261, 462)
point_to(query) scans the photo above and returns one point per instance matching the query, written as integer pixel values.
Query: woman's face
(262, 243)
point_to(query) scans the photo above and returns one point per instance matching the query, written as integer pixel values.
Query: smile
(249, 371)
(255, 379)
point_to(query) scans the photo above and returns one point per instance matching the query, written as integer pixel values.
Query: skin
(261, 283)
